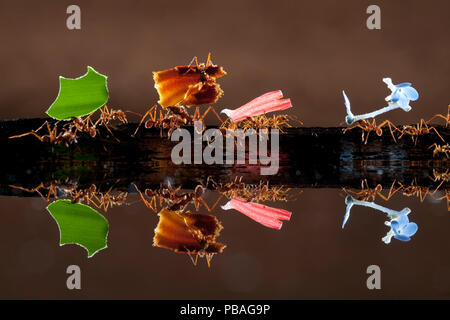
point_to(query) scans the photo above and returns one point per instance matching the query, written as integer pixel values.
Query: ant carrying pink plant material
(268, 102)
(267, 216)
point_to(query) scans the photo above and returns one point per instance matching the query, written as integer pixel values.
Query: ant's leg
(214, 111)
(107, 127)
(190, 256)
(402, 134)
(437, 188)
(26, 134)
(433, 128)
(196, 115)
(367, 137)
(438, 116)
(148, 204)
(190, 65)
(390, 124)
(149, 112)
(208, 257)
(194, 59)
(27, 190)
(447, 121)
(45, 123)
(200, 199)
(208, 61)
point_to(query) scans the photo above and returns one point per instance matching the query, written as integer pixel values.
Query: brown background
(309, 49)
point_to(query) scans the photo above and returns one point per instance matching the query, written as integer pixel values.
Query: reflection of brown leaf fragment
(188, 85)
(189, 233)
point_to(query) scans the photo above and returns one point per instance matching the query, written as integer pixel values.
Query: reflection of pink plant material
(266, 103)
(267, 216)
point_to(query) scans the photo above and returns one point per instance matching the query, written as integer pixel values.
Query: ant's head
(46, 139)
(379, 132)
(198, 191)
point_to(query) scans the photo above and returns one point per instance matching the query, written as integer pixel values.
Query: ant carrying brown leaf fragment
(182, 87)
(189, 85)
(367, 126)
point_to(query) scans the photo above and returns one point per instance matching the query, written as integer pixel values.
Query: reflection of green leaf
(80, 224)
(79, 97)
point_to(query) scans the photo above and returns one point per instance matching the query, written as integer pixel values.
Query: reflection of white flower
(400, 97)
(401, 229)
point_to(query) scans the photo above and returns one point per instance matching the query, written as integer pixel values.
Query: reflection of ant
(367, 126)
(174, 200)
(415, 190)
(445, 149)
(251, 192)
(444, 176)
(367, 193)
(440, 176)
(70, 190)
(107, 200)
(53, 188)
(446, 196)
(418, 129)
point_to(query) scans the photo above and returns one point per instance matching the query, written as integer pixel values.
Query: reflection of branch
(350, 202)
(400, 227)
(267, 216)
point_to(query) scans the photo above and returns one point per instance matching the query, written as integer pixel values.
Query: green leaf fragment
(80, 224)
(79, 97)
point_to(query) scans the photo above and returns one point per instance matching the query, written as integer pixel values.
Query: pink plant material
(266, 103)
(267, 216)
